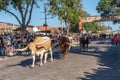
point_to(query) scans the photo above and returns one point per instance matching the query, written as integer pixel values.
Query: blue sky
(38, 16)
(90, 7)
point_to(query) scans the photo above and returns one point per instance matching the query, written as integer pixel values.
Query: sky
(90, 7)
(38, 16)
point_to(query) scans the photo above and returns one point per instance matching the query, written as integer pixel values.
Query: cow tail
(24, 49)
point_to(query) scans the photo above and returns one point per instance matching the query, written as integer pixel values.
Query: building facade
(6, 28)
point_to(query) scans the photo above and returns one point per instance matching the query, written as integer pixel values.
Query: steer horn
(22, 49)
(74, 45)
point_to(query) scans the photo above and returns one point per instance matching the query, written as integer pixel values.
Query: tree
(67, 10)
(3, 4)
(94, 27)
(109, 7)
(23, 10)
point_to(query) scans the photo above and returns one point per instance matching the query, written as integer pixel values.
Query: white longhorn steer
(40, 46)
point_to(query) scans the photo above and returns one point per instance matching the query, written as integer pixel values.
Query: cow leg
(51, 54)
(69, 49)
(33, 61)
(45, 60)
(64, 54)
(41, 57)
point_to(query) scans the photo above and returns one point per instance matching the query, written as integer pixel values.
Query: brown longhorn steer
(64, 43)
(40, 46)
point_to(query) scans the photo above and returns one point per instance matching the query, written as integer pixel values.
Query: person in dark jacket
(2, 48)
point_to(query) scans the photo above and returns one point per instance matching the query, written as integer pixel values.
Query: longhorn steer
(40, 46)
(65, 46)
(64, 43)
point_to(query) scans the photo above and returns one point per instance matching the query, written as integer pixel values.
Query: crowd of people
(9, 42)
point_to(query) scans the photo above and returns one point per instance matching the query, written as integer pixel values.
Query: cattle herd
(41, 46)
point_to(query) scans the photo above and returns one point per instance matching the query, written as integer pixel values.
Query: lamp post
(45, 11)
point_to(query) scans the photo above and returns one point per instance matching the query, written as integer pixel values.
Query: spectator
(116, 39)
(2, 48)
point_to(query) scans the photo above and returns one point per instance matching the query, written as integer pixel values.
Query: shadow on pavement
(27, 62)
(24, 63)
(109, 62)
(104, 43)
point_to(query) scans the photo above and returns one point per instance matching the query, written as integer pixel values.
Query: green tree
(108, 7)
(94, 27)
(67, 10)
(20, 9)
(3, 3)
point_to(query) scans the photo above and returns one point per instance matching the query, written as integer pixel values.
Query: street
(101, 62)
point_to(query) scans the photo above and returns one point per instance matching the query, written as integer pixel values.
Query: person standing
(116, 39)
(2, 48)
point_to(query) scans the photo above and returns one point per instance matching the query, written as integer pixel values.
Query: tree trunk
(23, 35)
(68, 28)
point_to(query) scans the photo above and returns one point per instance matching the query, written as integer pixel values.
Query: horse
(84, 42)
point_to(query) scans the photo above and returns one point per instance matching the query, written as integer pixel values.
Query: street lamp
(45, 11)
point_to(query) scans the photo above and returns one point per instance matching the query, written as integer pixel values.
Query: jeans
(116, 43)
(2, 51)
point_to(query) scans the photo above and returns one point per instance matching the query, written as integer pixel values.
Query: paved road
(102, 62)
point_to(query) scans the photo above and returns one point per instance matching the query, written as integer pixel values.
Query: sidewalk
(13, 56)
(6, 57)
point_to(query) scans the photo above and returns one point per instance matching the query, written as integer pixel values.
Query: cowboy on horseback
(84, 41)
